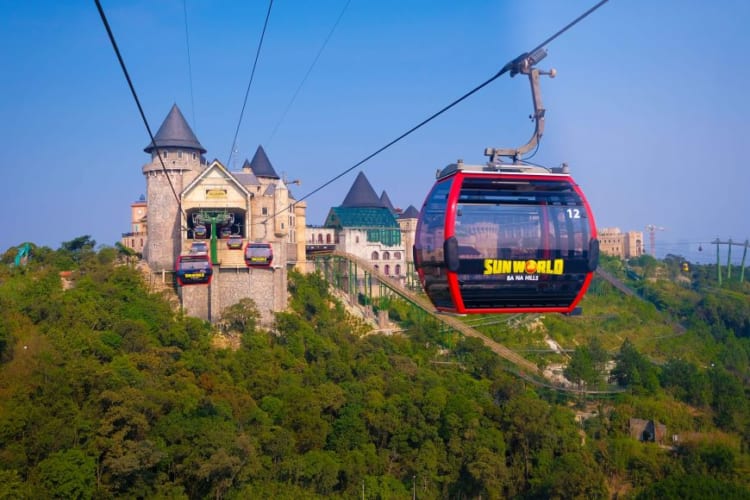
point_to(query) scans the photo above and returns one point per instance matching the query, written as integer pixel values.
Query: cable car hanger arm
(524, 64)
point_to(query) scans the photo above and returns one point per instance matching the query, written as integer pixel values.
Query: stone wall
(266, 286)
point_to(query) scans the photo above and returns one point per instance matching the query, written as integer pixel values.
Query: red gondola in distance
(517, 239)
(258, 255)
(193, 269)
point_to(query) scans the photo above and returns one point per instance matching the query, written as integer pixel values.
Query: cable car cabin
(194, 269)
(258, 255)
(517, 240)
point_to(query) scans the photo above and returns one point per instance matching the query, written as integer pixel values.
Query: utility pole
(729, 244)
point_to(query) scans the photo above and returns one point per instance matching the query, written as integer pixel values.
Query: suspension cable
(508, 67)
(249, 84)
(190, 65)
(138, 103)
(309, 70)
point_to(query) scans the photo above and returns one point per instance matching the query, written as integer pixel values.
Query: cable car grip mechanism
(524, 64)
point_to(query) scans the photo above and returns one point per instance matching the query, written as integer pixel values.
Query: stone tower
(182, 154)
(408, 223)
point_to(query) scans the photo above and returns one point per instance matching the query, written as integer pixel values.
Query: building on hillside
(648, 431)
(634, 244)
(618, 244)
(611, 241)
(190, 200)
(135, 239)
(365, 226)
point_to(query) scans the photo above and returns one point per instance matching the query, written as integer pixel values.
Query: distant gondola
(193, 269)
(200, 231)
(258, 254)
(234, 242)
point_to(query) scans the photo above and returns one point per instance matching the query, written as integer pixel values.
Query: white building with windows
(368, 227)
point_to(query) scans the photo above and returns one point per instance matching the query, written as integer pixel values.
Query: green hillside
(106, 392)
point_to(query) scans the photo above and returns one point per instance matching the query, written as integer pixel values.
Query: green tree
(241, 317)
(574, 475)
(581, 369)
(694, 487)
(634, 370)
(686, 382)
(67, 474)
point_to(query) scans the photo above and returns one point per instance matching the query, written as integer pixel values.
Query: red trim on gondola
(265, 257)
(200, 276)
(449, 230)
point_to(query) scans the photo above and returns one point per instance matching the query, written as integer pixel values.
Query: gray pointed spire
(261, 165)
(386, 201)
(176, 133)
(362, 195)
(410, 213)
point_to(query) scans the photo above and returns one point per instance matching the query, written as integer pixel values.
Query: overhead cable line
(138, 102)
(505, 69)
(309, 70)
(190, 65)
(249, 84)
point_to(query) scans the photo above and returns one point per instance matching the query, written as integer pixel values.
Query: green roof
(379, 222)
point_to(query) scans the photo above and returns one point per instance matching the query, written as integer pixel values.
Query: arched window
(377, 267)
(386, 255)
(356, 239)
(387, 270)
(397, 256)
(141, 242)
(328, 238)
(374, 256)
(398, 270)
(320, 238)
(132, 242)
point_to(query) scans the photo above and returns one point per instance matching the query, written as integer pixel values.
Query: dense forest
(106, 391)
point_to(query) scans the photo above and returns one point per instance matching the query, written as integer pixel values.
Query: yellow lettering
(558, 269)
(498, 266)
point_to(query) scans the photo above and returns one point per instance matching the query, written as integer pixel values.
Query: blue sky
(650, 107)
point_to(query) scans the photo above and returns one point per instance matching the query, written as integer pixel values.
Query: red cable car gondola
(258, 255)
(193, 269)
(507, 237)
(491, 241)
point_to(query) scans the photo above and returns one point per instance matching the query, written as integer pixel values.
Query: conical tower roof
(410, 213)
(175, 132)
(261, 165)
(386, 201)
(362, 195)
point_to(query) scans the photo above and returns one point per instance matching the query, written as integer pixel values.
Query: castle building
(370, 228)
(135, 239)
(618, 244)
(190, 202)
